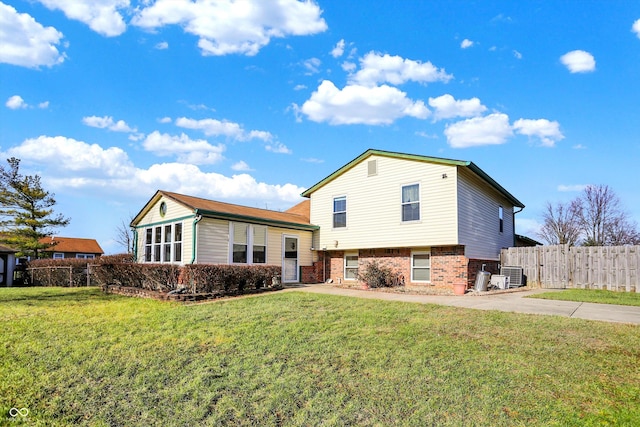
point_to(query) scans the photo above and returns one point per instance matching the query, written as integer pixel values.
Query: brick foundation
(448, 266)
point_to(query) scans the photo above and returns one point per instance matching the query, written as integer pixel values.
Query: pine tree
(26, 211)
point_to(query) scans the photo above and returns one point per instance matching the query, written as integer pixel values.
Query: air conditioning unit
(499, 281)
(515, 275)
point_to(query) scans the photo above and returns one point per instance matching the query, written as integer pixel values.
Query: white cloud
(107, 122)
(164, 120)
(579, 61)
(299, 87)
(548, 131)
(241, 166)
(187, 150)
(312, 160)
(213, 127)
(636, 28)
(312, 65)
(278, 147)
(349, 67)
(226, 27)
(102, 16)
(573, 188)
(376, 68)
(25, 42)
(466, 43)
(446, 107)
(357, 104)
(43, 105)
(493, 129)
(338, 50)
(517, 54)
(77, 165)
(16, 102)
(162, 46)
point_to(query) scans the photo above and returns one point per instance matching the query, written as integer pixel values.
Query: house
(71, 247)
(176, 228)
(7, 265)
(435, 221)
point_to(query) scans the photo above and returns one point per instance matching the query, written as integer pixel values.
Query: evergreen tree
(26, 211)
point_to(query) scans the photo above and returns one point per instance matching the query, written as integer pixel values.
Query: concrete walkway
(511, 301)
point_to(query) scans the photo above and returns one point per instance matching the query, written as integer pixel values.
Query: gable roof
(72, 245)
(293, 218)
(415, 157)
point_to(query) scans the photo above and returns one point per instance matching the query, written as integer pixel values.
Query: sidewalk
(512, 302)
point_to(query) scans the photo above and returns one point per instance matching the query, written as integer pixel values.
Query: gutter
(196, 220)
(135, 243)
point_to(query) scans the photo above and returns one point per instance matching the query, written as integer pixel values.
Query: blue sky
(253, 101)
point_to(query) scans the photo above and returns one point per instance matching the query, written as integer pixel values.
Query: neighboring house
(435, 221)
(7, 264)
(71, 247)
(175, 228)
(524, 241)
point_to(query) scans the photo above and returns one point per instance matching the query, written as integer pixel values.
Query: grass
(79, 357)
(593, 295)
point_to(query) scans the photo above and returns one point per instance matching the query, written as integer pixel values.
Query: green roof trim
(416, 157)
(253, 219)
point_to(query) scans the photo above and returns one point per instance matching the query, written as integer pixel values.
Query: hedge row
(49, 272)
(122, 270)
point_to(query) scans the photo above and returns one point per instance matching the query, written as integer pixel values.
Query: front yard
(77, 356)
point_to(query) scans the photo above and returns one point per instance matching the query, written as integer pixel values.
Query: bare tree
(600, 215)
(561, 225)
(595, 218)
(124, 236)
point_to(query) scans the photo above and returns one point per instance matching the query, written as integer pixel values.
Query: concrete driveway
(512, 302)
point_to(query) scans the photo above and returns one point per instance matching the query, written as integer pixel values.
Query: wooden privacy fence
(615, 268)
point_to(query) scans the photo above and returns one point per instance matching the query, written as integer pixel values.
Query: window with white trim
(411, 202)
(163, 243)
(58, 255)
(249, 245)
(85, 256)
(501, 218)
(350, 266)
(340, 212)
(420, 266)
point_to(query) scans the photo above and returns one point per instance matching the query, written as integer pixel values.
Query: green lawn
(76, 356)
(593, 295)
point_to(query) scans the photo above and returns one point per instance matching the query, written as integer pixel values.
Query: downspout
(135, 243)
(514, 225)
(196, 220)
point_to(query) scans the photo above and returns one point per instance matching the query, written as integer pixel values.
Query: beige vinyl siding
(175, 213)
(174, 210)
(479, 222)
(212, 241)
(374, 206)
(274, 245)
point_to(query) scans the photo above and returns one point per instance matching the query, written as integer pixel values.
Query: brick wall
(448, 265)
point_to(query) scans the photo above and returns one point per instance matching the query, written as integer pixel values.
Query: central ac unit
(515, 275)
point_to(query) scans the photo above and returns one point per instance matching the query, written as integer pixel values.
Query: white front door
(290, 259)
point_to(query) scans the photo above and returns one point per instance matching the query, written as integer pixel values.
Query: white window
(340, 212)
(350, 266)
(411, 202)
(501, 218)
(58, 255)
(85, 256)
(249, 245)
(420, 267)
(163, 243)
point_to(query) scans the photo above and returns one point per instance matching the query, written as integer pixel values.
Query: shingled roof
(72, 245)
(297, 216)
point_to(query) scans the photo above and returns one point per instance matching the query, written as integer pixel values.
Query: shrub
(211, 278)
(378, 276)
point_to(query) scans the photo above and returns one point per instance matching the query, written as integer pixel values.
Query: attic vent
(372, 167)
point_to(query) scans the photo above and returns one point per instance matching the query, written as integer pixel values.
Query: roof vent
(372, 168)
